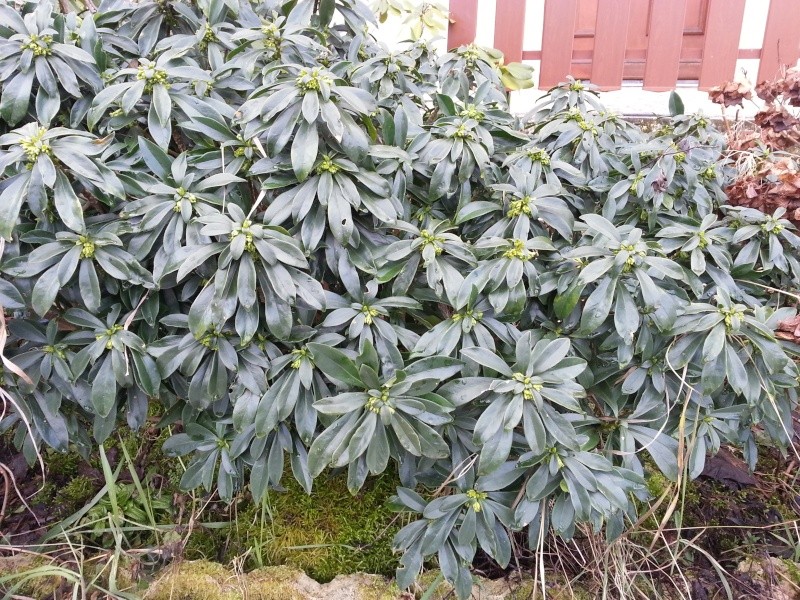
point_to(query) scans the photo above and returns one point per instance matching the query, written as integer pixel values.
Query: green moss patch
(331, 532)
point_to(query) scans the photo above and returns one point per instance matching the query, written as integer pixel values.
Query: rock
(512, 588)
(203, 580)
(777, 578)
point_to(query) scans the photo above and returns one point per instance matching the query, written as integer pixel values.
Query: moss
(567, 593)
(150, 441)
(199, 580)
(780, 504)
(329, 532)
(74, 494)
(523, 591)
(326, 534)
(62, 466)
(273, 583)
(690, 498)
(657, 484)
(378, 588)
(793, 570)
(65, 490)
(206, 544)
(18, 570)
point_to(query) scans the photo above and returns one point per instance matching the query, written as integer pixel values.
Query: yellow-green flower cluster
(75, 34)
(471, 112)
(518, 251)
(633, 253)
(678, 155)
(57, 350)
(587, 126)
(538, 155)
(272, 34)
(554, 455)
(327, 166)
(470, 55)
(772, 225)
(87, 246)
(708, 174)
(313, 80)
(39, 45)
(209, 37)
(180, 195)
(245, 149)
(522, 206)
(210, 340)
(429, 239)
(152, 76)
(733, 316)
(378, 401)
(109, 333)
(244, 229)
(35, 145)
(573, 114)
(369, 314)
(472, 316)
(576, 86)
(628, 248)
(635, 183)
(300, 354)
(422, 213)
(475, 500)
(462, 133)
(529, 386)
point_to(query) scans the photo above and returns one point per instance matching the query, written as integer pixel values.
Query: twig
(6, 492)
(8, 475)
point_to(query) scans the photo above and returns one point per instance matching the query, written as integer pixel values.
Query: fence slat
(781, 40)
(721, 46)
(509, 28)
(463, 23)
(610, 39)
(664, 41)
(557, 39)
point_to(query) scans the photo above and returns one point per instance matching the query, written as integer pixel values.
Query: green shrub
(307, 247)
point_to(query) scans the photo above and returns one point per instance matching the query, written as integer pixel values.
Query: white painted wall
(755, 24)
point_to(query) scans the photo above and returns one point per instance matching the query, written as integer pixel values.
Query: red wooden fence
(658, 42)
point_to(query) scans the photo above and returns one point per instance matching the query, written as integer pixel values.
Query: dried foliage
(770, 175)
(732, 93)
